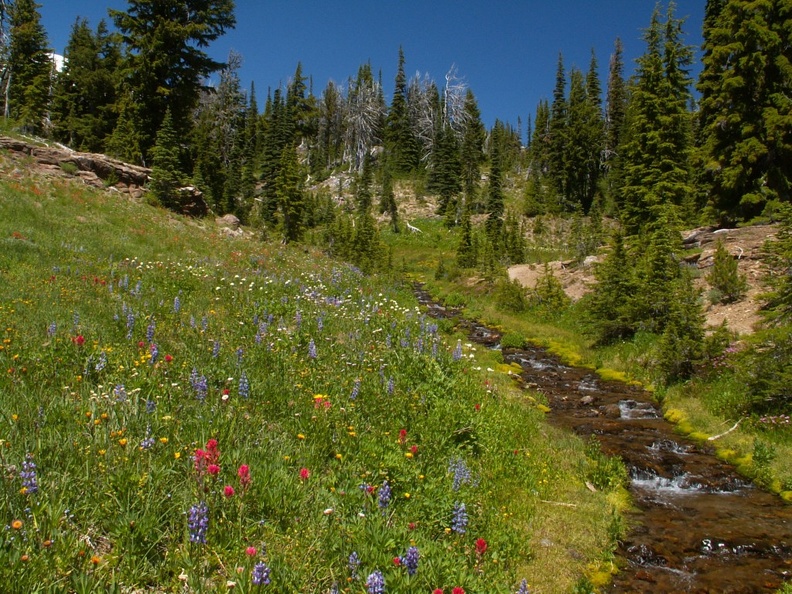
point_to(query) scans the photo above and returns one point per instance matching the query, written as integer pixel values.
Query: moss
(674, 415)
(698, 436)
(786, 496)
(543, 408)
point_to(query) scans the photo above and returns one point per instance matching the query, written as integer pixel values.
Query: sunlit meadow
(181, 411)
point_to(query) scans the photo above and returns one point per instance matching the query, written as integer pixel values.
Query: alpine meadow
(215, 373)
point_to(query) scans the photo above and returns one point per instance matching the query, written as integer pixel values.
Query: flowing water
(698, 526)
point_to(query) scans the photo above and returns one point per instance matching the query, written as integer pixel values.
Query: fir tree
(165, 64)
(471, 154)
(388, 199)
(615, 113)
(166, 175)
(30, 65)
(291, 198)
(466, 250)
(399, 139)
(495, 208)
(725, 277)
(681, 345)
(745, 110)
(777, 307)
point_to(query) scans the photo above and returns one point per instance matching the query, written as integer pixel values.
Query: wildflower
(228, 491)
(122, 442)
(410, 560)
(457, 355)
(17, 524)
(212, 453)
(151, 406)
(458, 590)
(250, 551)
(244, 475)
(28, 476)
(391, 385)
(120, 393)
(481, 547)
(154, 353)
(437, 591)
(312, 349)
(176, 304)
(304, 473)
(96, 559)
(375, 583)
(244, 386)
(261, 574)
(240, 352)
(147, 443)
(79, 340)
(460, 519)
(215, 349)
(355, 389)
(414, 449)
(168, 358)
(52, 329)
(384, 495)
(102, 363)
(213, 469)
(402, 436)
(198, 522)
(353, 563)
(461, 473)
(523, 589)
(150, 331)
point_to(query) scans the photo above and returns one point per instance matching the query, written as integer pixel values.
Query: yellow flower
(300, 436)
(286, 458)
(102, 452)
(163, 440)
(177, 455)
(338, 456)
(122, 442)
(406, 495)
(14, 417)
(408, 455)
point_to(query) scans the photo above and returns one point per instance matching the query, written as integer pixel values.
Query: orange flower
(17, 524)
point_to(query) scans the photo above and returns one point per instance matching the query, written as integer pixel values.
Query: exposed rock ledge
(99, 171)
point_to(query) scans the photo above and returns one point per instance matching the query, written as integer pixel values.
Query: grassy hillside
(179, 409)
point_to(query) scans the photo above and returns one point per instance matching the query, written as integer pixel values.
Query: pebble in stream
(698, 526)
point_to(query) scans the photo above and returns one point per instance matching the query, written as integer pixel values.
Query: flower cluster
(261, 574)
(410, 560)
(384, 495)
(198, 522)
(375, 583)
(460, 519)
(28, 476)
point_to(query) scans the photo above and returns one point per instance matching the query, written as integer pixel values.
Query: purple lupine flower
(215, 348)
(312, 349)
(384, 495)
(147, 443)
(457, 355)
(244, 386)
(388, 341)
(130, 324)
(76, 319)
(391, 386)
(261, 574)
(52, 329)
(151, 406)
(320, 323)
(120, 393)
(176, 304)
(375, 583)
(198, 522)
(28, 475)
(199, 385)
(102, 363)
(204, 323)
(355, 389)
(154, 353)
(298, 318)
(354, 563)
(461, 473)
(523, 589)
(460, 519)
(410, 560)
(150, 331)
(192, 321)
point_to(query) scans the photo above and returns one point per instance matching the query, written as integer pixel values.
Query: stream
(697, 526)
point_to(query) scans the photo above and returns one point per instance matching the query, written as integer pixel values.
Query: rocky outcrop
(99, 171)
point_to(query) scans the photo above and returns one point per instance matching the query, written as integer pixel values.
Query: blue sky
(506, 50)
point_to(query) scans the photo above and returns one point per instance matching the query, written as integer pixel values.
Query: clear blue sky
(506, 50)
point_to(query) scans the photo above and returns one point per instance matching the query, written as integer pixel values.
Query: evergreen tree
(399, 139)
(166, 176)
(363, 187)
(331, 131)
(725, 277)
(291, 198)
(165, 63)
(557, 126)
(466, 250)
(445, 174)
(30, 65)
(615, 114)
(471, 153)
(584, 140)
(250, 155)
(656, 154)
(608, 304)
(388, 200)
(681, 346)
(777, 307)
(495, 206)
(745, 119)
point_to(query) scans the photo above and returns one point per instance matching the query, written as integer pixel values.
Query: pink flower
(478, 407)
(79, 340)
(244, 475)
(250, 551)
(304, 473)
(458, 590)
(402, 435)
(414, 449)
(396, 561)
(437, 591)
(228, 491)
(213, 469)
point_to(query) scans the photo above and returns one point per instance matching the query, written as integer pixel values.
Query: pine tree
(777, 307)
(584, 140)
(608, 305)
(725, 277)
(399, 139)
(166, 175)
(165, 64)
(388, 200)
(30, 65)
(615, 114)
(681, 346)
(363, 187)
(656, 153)
(745, 119)
(466, 250)
(495, 206)
(291, 198)
(471, 153)
(557, 126)
(445, 173)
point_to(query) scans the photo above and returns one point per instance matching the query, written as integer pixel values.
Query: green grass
(125, 334)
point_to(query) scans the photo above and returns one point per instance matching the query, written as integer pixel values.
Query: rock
(611, 411)
(587, 400)
(229, 221)
(191, 202)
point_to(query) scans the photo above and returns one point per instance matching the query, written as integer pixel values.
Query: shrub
(725, 278)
